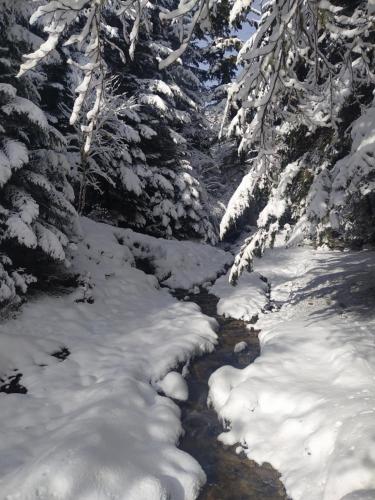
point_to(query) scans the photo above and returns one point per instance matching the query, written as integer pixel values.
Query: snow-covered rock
(174, 386)
(243, 301)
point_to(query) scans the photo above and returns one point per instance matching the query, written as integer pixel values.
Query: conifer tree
(37, 217)
(148, 180)
(307, 76)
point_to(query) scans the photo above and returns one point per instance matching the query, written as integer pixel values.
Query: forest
(187, 229)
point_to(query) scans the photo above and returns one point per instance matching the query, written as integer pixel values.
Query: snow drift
(93, 427)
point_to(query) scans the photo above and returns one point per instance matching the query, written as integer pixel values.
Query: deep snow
(96, 426)
(307, 404)
(93, 427)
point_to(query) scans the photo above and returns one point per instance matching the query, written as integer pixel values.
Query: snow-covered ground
(93, 427)
(177, 264)
(96, 427)
(307, 404)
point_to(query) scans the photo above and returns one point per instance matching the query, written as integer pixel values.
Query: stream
(230, 476)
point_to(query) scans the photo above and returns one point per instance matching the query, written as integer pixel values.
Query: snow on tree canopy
(23, 106)
(293, 105)
(37, 219)
(131, 181)
(144, 112)
(16, 152)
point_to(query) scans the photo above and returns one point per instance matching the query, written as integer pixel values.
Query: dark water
(229, 476)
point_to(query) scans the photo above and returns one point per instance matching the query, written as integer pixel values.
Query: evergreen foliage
(37, 218)
(303, 107)
(147, 182)
(141, 150)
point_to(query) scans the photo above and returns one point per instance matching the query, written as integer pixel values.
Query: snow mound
(92, 426)
(243, 301)
(177, 264)
(174, 386)
(307, 404)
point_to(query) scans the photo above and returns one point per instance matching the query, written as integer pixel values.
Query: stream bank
(230, 476)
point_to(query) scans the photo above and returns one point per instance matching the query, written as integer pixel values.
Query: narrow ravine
(230, 476)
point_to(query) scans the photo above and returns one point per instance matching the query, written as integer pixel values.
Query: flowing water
(229, 476)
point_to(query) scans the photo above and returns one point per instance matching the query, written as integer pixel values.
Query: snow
(21, 231)
(93, 426)
(277, 204)
(174, 56)
(154, 101)
(239, 202)
(245, 300)
(159, 86)
(16, 152)
(26, 206)
(8, 90)
(174, 386)
(49, 243)
(130, 180)
(23, 106)
(146, 131)
(352, 173)
(177, 264)
(307, 404)
(5, 169)
(240, 347)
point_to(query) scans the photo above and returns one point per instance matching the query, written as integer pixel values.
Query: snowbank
(177, 264)
(93, 427)
(245, 300)
(307, 404)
